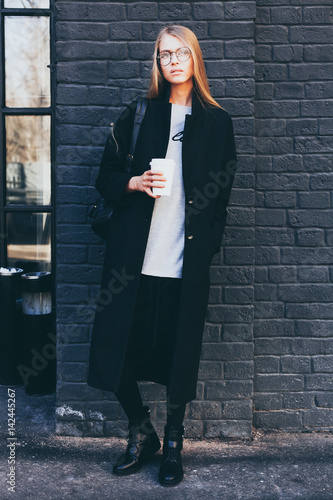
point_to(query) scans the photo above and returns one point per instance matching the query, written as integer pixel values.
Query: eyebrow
(166, 50)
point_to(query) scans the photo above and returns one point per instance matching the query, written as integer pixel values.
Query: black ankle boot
(142, 442)
(171, 469)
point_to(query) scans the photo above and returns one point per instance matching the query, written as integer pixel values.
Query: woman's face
(176, 72)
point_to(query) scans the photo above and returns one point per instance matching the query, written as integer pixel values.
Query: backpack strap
(138, 119)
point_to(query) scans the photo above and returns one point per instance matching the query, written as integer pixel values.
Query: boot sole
(171, 483)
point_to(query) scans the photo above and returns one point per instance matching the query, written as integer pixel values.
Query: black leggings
(129, 397)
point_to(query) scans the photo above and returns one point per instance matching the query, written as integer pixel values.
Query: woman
(155, 283)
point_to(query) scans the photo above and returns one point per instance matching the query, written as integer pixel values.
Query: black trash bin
(11, 333)
(39, 368)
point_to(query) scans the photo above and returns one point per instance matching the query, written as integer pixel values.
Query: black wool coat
(209, 163)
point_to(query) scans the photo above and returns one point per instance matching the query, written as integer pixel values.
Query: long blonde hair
(200, 82)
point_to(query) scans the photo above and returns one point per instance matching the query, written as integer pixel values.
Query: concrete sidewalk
(271, 466)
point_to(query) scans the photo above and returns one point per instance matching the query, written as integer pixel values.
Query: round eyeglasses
(183, 54)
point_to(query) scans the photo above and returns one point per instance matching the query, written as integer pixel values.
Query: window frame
(10, 111)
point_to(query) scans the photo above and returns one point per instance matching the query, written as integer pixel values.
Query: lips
(176, 71)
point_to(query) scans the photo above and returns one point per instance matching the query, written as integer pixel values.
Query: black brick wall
(293, 326)
(269, 66)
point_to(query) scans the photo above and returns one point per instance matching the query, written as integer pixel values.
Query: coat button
(190, 200)
(189, 236)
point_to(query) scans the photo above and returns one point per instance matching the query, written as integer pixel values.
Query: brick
(226, 29)
(317, 108)
(179, 11)
(313, 145)
(227, 428)
(309, 311)
(318, 90)
(140, 50)
(310, 237)
(321, 181)
(81, 72)
(279, 382)
(278, 109)
(270, 217)
(72, 254)
(210, 370)
(271, 72)
(324, 400)
(297, 401)
(314, 200)
(268, 310)
(124, 69)
(311, 34)
(71, 94)
(317, 15)
(204, 410)
(265, 292)
(288, 53)
(227, 389)
(81, 31)
(227, 351)
(263, 15)
(273, 346)
(290, 163)
(267, 255)
(72, 294)
(267, 402)
(325, 126)
(264, 90)
(238, 256)
(287, 15)
(238, 49)
(211, 49)
(125, 31)
(266, 364)
(237, 409)
(239, 10)
(318, 53)
(319, 274)
(319, 382)
(290, 89)
(282, 274)
(322, 363)
(99, 11)
(238, 332)
(295, 364)
(310, 71)
(272, 34)
(283, 419)
(306, 293)
(208, 10)
(238, 370)
(318, 418)
(238, 295)
(310, 217)
(142, 11)
(263, 53)
(228, 69)
(273, 328)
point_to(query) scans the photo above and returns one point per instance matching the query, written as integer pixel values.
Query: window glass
(28, 163)
(27, 55)
(29, 241)
(27, 4)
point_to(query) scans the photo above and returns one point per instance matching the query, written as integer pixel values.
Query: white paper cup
(166, 166)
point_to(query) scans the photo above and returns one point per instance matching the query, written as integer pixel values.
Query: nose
(173, 54)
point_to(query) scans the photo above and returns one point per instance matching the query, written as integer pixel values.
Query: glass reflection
(29, 241)
(27, 55)
(28, 162)
(27, 4)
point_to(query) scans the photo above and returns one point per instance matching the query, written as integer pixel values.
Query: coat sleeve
(226, 175)
(113, 177)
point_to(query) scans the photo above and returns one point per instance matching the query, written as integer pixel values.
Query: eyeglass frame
(170, 52)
